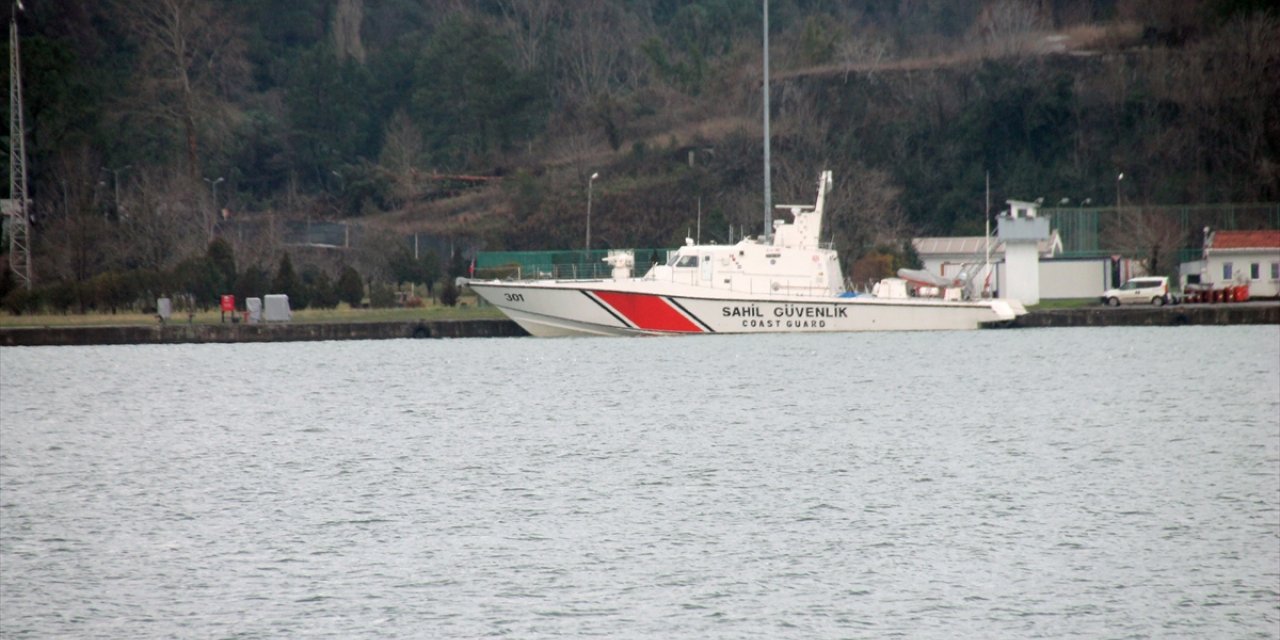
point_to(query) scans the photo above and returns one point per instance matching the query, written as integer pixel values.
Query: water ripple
(937, 485)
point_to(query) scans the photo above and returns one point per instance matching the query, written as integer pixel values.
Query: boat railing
(567, 271)
(741, 283)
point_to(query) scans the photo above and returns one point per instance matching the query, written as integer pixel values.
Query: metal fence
(1086, 232)
(561, 265)
(1092, 232)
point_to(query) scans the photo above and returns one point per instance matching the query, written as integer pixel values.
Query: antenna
(19, 205)
(987, 217)
(768, 197)
(699, 236)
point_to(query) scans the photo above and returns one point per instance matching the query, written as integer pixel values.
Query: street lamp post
(1092, 229)
(115, 177)
(590, 183)
(1118, 179)
(213, 185)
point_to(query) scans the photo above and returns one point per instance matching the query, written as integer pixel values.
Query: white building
(1238, 257)
(1059, 278)
(949, 256)
(1023, 240)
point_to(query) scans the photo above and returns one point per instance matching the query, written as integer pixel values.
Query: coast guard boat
(788, 284)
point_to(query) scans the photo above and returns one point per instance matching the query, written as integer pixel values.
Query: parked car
(1153, 290)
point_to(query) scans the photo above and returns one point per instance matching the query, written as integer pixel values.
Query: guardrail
(797, 287)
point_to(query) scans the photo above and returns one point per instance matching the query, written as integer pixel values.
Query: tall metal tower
(768, 195)
(19, 208)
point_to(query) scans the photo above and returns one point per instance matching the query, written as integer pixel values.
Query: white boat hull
(787, 283)
(637, 307)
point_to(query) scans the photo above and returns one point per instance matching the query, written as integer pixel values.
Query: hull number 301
(514, 297)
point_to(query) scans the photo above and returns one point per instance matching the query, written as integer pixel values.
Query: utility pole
(986, 277)
(590, 182)
(768, 197)
(213, 185)
(19, 209)
(115, 177)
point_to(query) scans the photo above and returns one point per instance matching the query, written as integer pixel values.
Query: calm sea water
(1099, 483)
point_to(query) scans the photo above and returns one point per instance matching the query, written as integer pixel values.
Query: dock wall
(1179, 315)
(300, 332)
(1146, 316)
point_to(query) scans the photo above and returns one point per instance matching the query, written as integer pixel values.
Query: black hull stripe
(687, 313)
(623, 321)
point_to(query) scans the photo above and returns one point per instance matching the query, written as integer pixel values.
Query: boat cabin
(791, 262)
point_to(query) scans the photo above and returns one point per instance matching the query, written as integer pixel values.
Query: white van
(1154, 290)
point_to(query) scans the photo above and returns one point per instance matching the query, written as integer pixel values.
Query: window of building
(1255, 271)
(1275, 270)
(1226, 271)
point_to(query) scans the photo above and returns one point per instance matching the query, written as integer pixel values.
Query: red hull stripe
(651, 313)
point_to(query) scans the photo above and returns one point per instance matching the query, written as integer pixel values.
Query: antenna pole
(768, 197)
(987, 217)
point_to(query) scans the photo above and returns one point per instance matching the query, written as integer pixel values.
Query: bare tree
(401, 152)
(1003, 26)
(873, 215)
(599, 42)
(1236, 99)
(167, 219)
(862, 53)
(528, 24)
(347, 20)
(1152, 235)
(77, 241)
(190, 57)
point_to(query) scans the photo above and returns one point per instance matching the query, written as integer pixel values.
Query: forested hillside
(155, 127)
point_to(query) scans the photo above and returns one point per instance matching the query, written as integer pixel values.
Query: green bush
(449, 293)
(323, 295)
(58, 297)
(382, 296)
(253, 283)
(350, 287)
(20, 300)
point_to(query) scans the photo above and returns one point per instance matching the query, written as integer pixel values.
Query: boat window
(687, 261)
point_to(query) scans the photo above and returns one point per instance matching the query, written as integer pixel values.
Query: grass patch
(466, 310)
(1067, 303)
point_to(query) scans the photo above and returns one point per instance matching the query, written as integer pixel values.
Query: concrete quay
(177, 333)
(1257, 312)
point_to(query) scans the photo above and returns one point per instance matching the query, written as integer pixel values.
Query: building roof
(966, 245)
(971, 246)
(1269, 239)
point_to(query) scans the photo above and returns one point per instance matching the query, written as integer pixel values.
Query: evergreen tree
(321, 292)
(350, 287)
(7, 281)
(330, 115)
(222, 261)
(288, 283)
(407, 269)
(253, 283)
(197, 277)
(470, 101)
